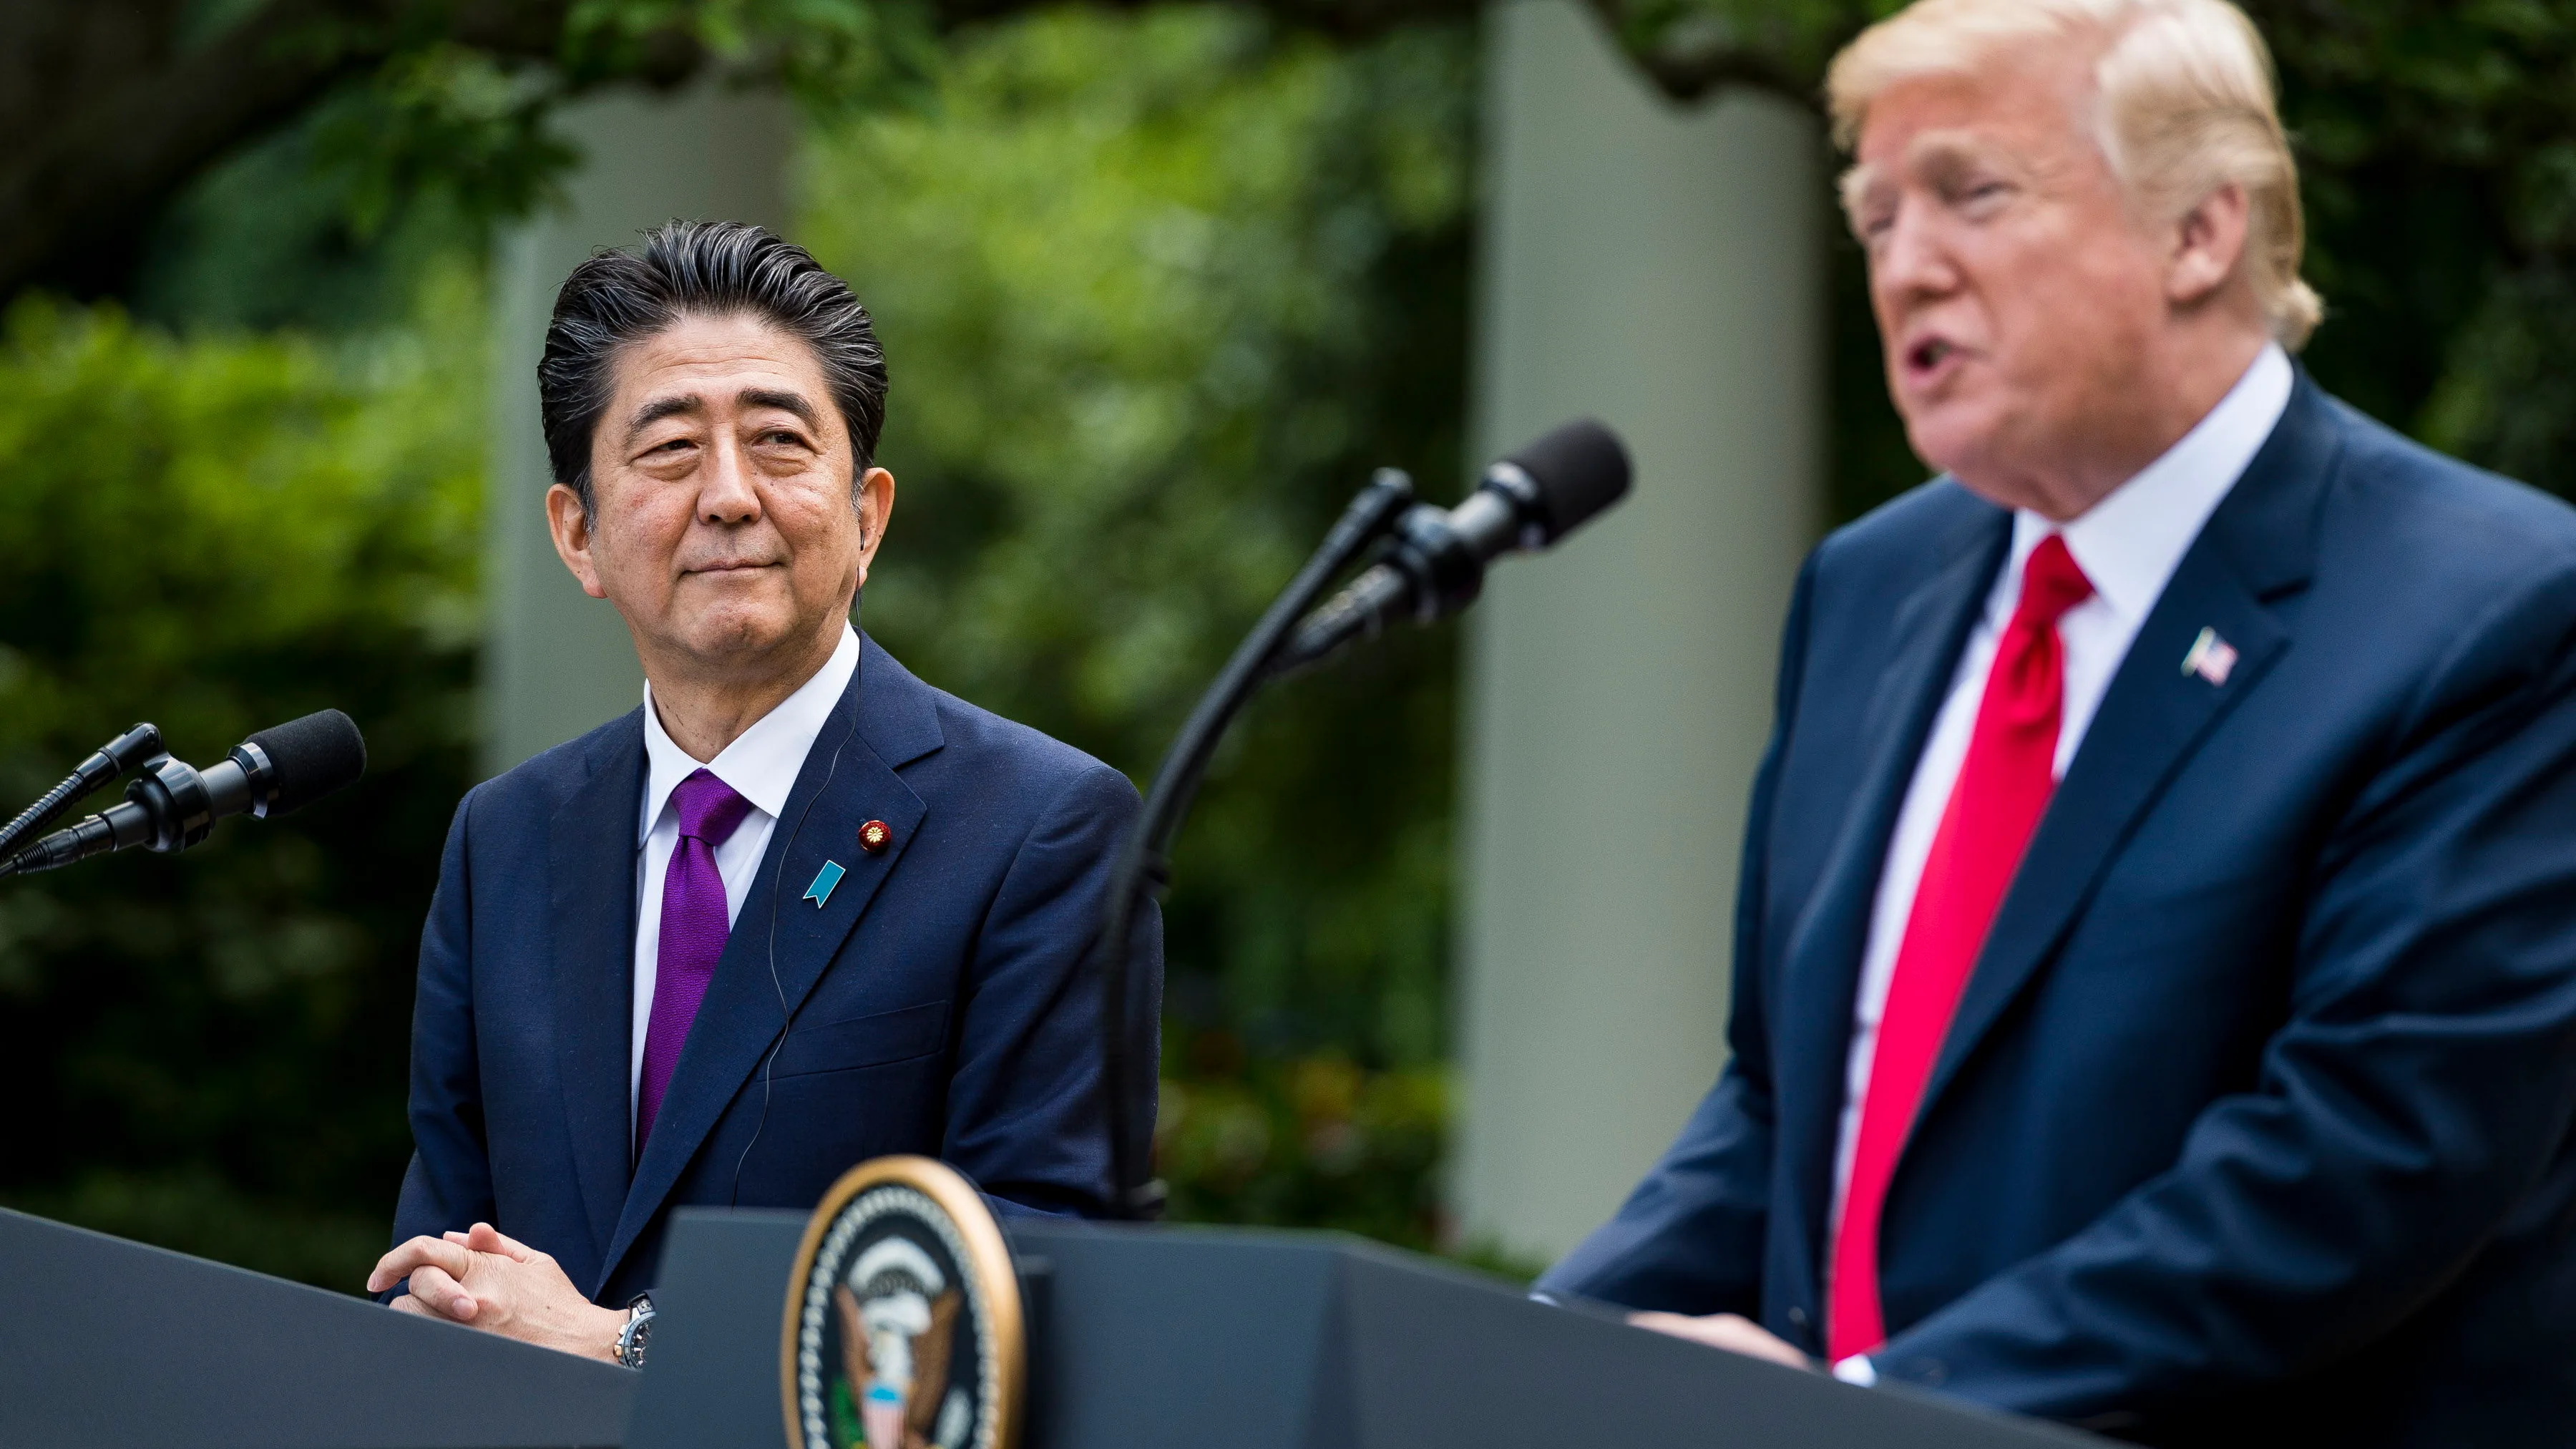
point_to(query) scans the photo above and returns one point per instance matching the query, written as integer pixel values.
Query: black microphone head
(1579, 468)
(313, 756)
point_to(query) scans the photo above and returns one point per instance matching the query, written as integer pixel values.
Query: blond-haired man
(2155, 992)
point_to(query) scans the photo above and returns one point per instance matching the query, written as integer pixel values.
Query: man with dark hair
(797, 911)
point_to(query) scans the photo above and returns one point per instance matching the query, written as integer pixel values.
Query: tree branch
(108, 108)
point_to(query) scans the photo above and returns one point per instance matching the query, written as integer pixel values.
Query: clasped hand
(498, 1284)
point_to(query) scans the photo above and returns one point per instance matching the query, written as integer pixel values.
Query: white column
(558, 662)
(1661, 268)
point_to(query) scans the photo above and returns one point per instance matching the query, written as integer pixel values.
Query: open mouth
(1928, 354)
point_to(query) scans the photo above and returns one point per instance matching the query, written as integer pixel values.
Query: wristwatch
(638, 1331)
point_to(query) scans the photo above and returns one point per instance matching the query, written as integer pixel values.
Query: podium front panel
(104, 1342)
(1185, 1338)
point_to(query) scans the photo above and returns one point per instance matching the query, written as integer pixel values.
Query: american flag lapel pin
(2211, 657)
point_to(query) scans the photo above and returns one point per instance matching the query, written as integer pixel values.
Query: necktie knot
(2051, 584)
(709, 808)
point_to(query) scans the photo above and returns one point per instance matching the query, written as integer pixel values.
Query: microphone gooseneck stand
(136, 747)
(1144, 862)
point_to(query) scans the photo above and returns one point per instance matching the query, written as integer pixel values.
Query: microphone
(172, 806)
(1435, 564)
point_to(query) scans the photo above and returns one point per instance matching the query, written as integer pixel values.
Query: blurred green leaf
(1159, 292)
(216, 535)
(1311, 1141)
(1159, 289)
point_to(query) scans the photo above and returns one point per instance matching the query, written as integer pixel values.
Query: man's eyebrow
(658, 409)
(1853, 187)
(1952, 150)
(786, 402)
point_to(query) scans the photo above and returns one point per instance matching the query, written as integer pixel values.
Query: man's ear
(875, 503)
(570, 524)
(2208, 242)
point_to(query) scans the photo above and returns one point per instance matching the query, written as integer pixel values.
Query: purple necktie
(694, 927)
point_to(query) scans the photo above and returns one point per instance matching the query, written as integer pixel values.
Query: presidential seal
(903, 1326)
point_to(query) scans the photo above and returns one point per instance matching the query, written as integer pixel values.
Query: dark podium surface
(106, 1344)
(1141, 1338)
(1185, 1338)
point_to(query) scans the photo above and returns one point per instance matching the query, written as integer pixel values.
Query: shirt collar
(763, 761)
(2130, 543)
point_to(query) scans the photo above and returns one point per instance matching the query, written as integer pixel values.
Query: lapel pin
(874, 836)
(824, 879)
(2211, 657)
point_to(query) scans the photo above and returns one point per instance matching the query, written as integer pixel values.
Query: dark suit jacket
(2254, 1121)
(940, 996)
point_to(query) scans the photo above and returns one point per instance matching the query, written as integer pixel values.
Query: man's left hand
(500, 1285)
(1729, 1331)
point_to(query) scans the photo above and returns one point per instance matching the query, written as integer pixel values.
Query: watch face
(903, 1322)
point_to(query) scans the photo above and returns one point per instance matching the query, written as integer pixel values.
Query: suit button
(1798, 1316)
(874, 836)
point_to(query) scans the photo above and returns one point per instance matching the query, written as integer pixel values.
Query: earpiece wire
(777, 887)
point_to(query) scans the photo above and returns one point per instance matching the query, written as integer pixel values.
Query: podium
(1140, 1338)
(1189, 1338)
(105, 1342)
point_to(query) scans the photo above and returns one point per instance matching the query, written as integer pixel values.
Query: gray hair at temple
(700, 268)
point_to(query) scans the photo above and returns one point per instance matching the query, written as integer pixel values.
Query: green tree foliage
(1158, 293)
(2438, 142)
(217, 535)
(1159, 289)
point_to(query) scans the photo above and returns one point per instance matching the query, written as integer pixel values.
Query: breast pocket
(864, 1041)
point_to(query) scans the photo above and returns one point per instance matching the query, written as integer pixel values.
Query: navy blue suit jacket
(940, 996)
(2254, 1121)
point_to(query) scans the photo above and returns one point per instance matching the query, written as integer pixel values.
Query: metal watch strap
(638, 1331)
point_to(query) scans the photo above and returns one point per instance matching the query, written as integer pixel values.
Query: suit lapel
(2255, 549)
(742, 1015)
(591, 930)
(1927, 632)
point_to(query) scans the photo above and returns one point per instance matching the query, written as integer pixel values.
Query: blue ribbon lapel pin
(824, 879)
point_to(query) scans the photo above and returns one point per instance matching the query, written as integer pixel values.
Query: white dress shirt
(2129, 545)
(761, 765)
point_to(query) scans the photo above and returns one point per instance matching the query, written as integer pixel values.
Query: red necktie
(2004, 784)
